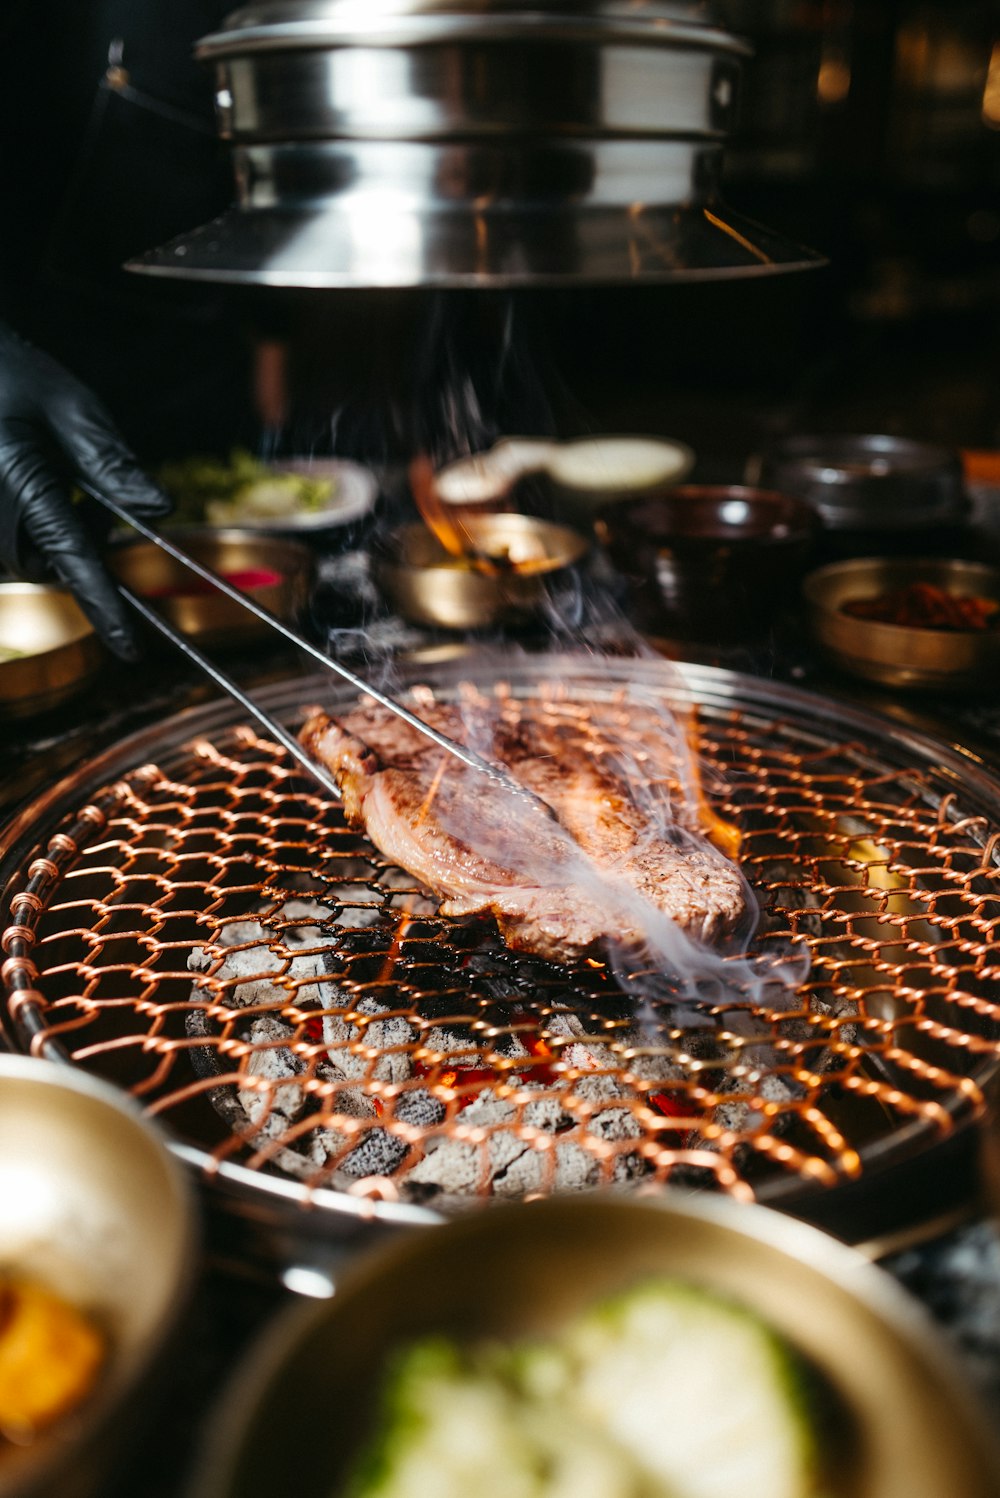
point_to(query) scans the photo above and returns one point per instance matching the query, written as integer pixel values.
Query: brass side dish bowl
(273, 571)
(97, 1211)
(902, 1423)
(503, 580)
(904, 655)
(48, 649)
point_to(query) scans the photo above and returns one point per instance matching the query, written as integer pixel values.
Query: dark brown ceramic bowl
(708, 561)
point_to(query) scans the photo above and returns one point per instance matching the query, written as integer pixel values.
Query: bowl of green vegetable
(288, 495)
(678, 1348)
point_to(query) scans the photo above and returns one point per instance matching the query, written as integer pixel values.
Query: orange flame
(462, 524)
(725, 836)
(445, 524)
(449, 520)
(395, 946)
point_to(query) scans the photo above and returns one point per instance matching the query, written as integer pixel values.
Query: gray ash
(370, 1048)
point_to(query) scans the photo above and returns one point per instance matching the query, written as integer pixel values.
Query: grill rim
(706, 685)
(712, 687)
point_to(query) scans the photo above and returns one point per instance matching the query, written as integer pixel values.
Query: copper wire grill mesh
(378, 1048)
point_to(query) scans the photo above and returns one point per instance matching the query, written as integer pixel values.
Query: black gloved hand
(54, 430)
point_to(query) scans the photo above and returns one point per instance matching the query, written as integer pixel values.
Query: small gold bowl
(274, 572)
(898, 655)
(98, 1212)
(48, 649)
(430, 586)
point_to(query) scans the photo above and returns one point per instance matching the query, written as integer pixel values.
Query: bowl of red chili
(930, 623)
(274, 572)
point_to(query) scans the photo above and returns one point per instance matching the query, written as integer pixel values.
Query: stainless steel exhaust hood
(474, 143)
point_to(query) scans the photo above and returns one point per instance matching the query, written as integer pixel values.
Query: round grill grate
(193, 920)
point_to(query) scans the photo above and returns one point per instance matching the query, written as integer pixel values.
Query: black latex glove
(53, 430)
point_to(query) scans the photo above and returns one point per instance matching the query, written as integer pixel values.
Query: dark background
(870, 131)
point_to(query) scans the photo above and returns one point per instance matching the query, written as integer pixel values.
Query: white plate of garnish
(288, 494)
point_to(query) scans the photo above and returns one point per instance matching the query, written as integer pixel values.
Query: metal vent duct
(466, 143)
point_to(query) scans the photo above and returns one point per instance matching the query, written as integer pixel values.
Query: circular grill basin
(392, 1033)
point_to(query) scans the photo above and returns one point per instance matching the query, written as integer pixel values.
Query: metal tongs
(473, 761)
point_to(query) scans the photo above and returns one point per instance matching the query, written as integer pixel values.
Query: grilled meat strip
(556, 887)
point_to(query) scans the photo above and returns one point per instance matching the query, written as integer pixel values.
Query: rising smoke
(476, 376)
